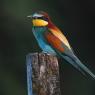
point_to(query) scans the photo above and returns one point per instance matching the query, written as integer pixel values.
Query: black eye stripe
(44, 18)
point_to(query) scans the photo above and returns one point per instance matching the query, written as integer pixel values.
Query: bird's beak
(30, 16)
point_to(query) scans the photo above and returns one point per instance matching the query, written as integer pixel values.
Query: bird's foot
(48, 53)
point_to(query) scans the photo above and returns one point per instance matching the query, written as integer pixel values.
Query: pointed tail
(78, 65)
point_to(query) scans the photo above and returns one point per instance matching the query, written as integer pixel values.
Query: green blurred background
(75, 17)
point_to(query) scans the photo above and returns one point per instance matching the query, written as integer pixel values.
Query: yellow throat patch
(39, 22)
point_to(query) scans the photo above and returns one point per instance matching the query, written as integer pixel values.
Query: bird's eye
(37, 17)
(45, 18)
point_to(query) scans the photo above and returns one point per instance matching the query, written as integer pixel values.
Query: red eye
(45, 18)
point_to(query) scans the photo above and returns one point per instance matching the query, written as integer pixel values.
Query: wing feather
(54, 41)
(59, 35)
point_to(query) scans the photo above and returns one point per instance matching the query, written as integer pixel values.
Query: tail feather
(78, 65)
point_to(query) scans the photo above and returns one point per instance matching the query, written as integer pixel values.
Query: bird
(53, 41)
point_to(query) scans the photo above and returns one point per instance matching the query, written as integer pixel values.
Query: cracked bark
(42, 74)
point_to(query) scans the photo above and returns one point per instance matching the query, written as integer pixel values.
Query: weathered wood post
(42, 74)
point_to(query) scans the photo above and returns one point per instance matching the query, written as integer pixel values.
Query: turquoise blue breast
(39, 35)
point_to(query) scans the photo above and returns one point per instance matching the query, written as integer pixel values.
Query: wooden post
(42, 74)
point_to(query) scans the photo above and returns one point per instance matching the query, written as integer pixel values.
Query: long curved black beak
(30, 16)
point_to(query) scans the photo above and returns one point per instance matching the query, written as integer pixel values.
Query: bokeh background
(75, 17)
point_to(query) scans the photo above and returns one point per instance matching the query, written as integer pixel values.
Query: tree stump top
(42, 74)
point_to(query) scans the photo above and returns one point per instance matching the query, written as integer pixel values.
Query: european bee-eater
(52, 40)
